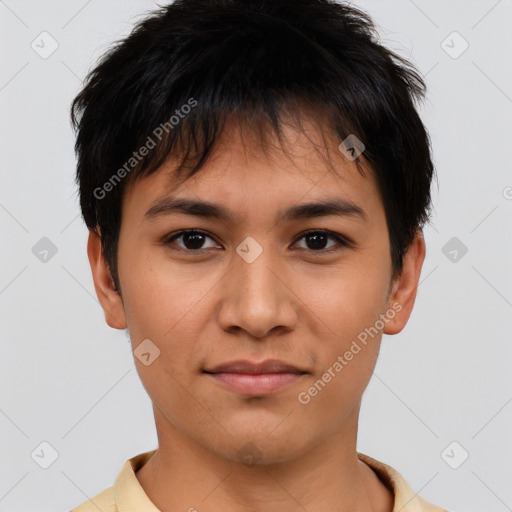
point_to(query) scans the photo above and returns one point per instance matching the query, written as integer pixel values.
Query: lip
(248, 378)
(253, 368)
(256, 384)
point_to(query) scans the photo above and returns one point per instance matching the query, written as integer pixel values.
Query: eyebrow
(334, 206)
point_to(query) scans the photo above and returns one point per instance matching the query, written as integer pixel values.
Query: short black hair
(189, 67)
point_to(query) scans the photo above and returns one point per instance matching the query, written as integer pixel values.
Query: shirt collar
(406, 500)
(130, 496)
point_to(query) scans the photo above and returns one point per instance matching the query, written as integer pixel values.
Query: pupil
(195, 240)
(319, 240)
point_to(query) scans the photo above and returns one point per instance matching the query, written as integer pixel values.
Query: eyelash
(342, 241)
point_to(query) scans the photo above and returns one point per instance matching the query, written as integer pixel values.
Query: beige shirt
(127, 495)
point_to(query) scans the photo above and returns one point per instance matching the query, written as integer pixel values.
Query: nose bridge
(256, 299)
(256, 280)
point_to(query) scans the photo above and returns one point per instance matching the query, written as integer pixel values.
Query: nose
(257, 297)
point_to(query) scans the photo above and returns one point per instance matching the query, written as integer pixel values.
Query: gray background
(67, 379)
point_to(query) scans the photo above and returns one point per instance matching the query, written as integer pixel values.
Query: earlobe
(108, 296)
(404, 288)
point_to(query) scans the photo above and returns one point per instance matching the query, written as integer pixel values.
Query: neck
(183, 475)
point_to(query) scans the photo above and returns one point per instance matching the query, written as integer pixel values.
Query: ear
(404, 287)
(109, 298)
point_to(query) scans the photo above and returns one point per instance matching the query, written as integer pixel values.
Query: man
(255, 179)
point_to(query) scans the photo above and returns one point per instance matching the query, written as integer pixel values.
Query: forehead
(247, 175)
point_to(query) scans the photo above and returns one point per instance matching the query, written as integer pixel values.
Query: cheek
(345, 308)
(159, 298)
(346, 301)
(347, 346)
(168, 307)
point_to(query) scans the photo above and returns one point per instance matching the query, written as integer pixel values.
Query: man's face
(253, 288)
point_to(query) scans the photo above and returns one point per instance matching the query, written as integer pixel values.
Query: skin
(288, 304)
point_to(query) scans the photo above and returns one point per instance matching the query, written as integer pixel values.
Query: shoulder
(406, 500)
(104, 501)
(126, 489)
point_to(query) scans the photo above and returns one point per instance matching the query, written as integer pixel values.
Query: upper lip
(245, 366)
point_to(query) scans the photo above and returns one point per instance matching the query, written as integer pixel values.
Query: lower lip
(256, 384)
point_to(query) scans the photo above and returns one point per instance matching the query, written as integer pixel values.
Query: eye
(316, 241)
(193, 240)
